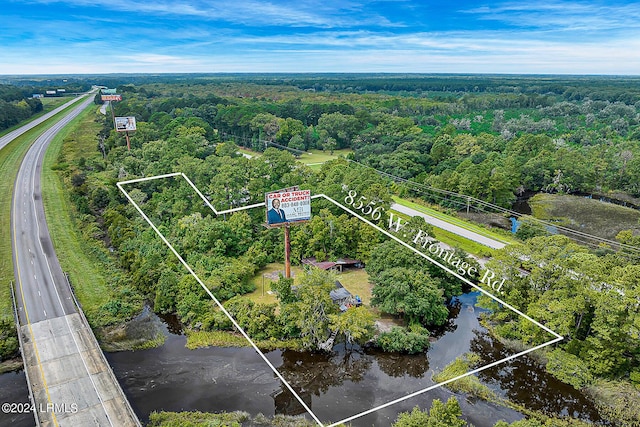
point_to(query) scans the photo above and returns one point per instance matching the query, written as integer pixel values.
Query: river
(335, 386)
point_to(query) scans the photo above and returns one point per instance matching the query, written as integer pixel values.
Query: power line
(464, 200)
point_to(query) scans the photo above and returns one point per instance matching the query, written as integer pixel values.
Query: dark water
(338, 385)
(522, 206)
(13, 389)
(335, 386)
(522, 381)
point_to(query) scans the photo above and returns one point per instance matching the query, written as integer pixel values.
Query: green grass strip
(87, 275)
(453, 240)
(49, 105)
(317, 157)
(10, 159)
(455, 221)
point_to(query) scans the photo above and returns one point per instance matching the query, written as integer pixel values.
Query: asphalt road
(16, 133)
(479, 238)
(65, 367)
(41, 293)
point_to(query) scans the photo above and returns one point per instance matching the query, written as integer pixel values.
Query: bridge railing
(104, 359)
(21, 342)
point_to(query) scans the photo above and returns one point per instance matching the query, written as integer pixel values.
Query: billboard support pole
(126, 134)
(287, 252)
(113, 115)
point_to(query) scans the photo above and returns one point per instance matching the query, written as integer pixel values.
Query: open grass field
(89, 280)
(54, 102)
(355, 280)
(313, 158)
(271, 269)
(317, 157)
(591, 216)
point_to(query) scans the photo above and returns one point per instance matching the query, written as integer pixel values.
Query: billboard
(111, 98)
(124, 124)
(287, 205)
(108, 91)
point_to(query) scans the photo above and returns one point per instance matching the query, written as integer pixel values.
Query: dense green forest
(16, 96)
(16, 105)
(491, 137)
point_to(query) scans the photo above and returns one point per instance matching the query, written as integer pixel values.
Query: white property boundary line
(557, 338)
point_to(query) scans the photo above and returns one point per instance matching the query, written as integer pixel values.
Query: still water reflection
(336, 385)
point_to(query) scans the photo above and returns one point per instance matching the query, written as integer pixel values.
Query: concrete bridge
(70, 381)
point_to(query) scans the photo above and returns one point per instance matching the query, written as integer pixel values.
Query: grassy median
(77, 254)
(10, 159)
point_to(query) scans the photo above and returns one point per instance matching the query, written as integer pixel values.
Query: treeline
(570, 88)
(494, 143)
(227, 251)
(592, 300)
(589, 297)
(16, 105)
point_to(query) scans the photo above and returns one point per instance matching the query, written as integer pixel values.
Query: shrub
(402, 340)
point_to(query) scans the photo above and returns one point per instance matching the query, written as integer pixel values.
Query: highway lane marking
(40, 152)
(26, 313)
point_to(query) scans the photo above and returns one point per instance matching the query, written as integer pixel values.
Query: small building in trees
(338, 265)
(344, 298)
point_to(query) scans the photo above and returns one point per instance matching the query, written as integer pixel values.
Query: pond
(334, 385)
(339, 384)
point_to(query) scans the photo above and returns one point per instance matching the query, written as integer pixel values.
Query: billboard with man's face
(124, 124)
(288, 205)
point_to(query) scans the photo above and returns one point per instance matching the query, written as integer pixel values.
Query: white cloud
(153, 59)
(310, 13)
(563, 16)
(194, 45)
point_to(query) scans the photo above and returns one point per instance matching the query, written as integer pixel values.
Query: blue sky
(427, 36)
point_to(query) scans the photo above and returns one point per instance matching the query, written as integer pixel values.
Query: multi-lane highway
(35, 260)
(70, 380)
(17, 132)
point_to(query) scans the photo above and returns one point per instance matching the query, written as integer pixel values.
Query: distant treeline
(571, 88)
(520, 134)
(16, 105)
